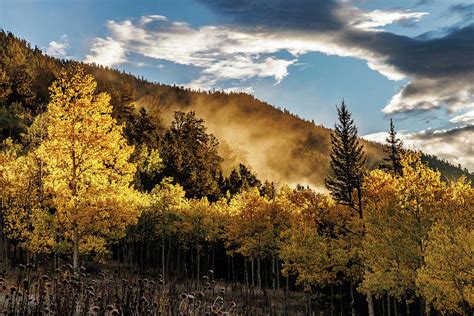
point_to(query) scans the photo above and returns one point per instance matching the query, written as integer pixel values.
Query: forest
(117, 199)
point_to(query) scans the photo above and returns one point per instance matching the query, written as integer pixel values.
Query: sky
(409, 60)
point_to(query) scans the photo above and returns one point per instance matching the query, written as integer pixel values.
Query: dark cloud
(446, 56)
(423, 2)
(440, 69)
(466, 11)
(295, 14)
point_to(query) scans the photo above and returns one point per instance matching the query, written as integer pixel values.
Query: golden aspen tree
(246, 232)
(25, 219)
(446, 280)
(87, 163)
(197, 217)
(216, 223)
(401, 211)
(388, 253)
(166, 201)
(321, 242)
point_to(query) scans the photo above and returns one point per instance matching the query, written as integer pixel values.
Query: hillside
(278, 145)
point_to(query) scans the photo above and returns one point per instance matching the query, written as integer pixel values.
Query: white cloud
(233, 53)
(59, 48)
(423, 94)
(466, 118)
(378, 18)
(455, 145)
(247, 90)
(222, 53)
(150, 18)
(241, 53)
(244, 66)
(107, 52)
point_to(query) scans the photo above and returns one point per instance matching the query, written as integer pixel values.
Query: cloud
(438, 70)
(455, 145)
(242, 67)
(378, 18)
(467, 118)
(150, 18)
(221, 53)
(58, 49)
(107, 52)
(466, 11)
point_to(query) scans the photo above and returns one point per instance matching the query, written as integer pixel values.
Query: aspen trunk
(259, 276)
(198, 268)
(163, 256)
(233, 269)
(273, 274)
(246, 273)
(332, 301)
(277, 268)
(341, 305)
(370, 304)
(389, 307)
(353, 311)
(213, 257)
(383, 305)
(75, 249)
(252, 266)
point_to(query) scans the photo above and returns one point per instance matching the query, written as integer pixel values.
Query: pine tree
(394, 150)
(241, 179)
(190, 156)
(347, 162)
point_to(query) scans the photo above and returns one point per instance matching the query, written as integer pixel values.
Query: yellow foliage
(447, 278)
(86, 161)
(419, 235)
(246, 231)
(26, 219)
(323, 241)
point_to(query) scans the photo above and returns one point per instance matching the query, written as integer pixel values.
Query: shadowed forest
(119, 196)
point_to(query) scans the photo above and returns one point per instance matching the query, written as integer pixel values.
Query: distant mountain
(278, 145)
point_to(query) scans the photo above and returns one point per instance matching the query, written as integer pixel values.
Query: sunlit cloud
(466, 118)
(59, 48)
(378, 18)
(438, 70)
(107, 52)
(455, 145)
(222, 53)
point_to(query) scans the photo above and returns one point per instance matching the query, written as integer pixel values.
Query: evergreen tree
(347, 162)
(142, 130)
(249, 179)
(190, 156)
(268, 190)
(233, 183)
(395, 147)
(241, 179)
(394, 150)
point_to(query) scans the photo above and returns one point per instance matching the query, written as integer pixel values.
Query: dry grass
(31, 291)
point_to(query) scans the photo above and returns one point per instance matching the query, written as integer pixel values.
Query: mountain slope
(278, 145)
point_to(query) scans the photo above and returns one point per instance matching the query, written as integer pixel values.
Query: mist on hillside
(259, 135)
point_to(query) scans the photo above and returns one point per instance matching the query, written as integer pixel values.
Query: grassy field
(34, 291)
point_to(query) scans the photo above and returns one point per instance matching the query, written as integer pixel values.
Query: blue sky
(410, 60)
